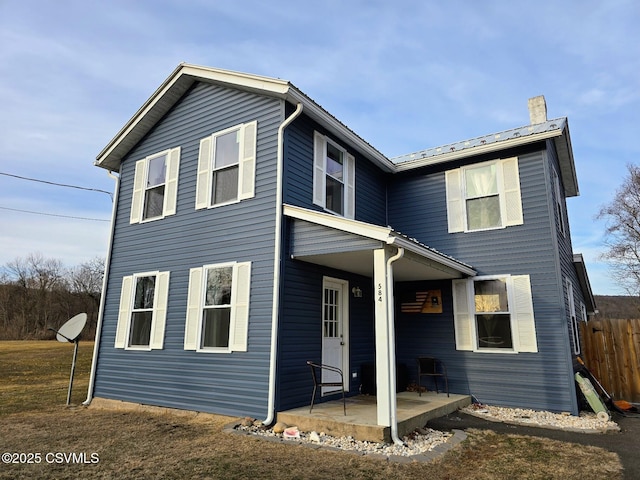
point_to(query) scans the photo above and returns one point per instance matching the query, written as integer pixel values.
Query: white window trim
(509, 195)
(141, 173)
(246, 165)
(573, 317)
(559, 207)
(240, 293)
(522, 321)
(320, 176)
(159, 315)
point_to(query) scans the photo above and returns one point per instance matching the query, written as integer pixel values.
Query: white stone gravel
(418, 442)
(587, 421)
(424, 440)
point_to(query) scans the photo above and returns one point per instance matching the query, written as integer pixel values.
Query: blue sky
(405, 75)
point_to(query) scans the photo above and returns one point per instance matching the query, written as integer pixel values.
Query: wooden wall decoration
(427, 301)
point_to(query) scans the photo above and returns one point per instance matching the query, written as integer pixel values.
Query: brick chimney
(537, 110)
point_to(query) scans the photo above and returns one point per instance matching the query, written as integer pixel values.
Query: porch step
(360, 422)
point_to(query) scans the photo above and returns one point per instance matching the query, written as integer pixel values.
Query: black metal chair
(432, 367)
(316, 374)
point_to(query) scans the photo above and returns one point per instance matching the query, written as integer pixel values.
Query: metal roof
(494, 138)
(556, 130)
(185, 75)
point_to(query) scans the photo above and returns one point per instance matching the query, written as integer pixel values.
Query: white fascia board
(173, 88)
(339, 129)
(339, 223)
(432, 255)
(259, 83)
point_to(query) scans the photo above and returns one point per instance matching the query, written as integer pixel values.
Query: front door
(335, 328)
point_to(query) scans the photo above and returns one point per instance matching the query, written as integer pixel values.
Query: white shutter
(247, 167)
(194, 309)
(455, 202)
(511, 189)
(203, 179)
(160, 311)
(523, 312)
(171, 188)
(240, 306)
(124, 313)
(350, 199)
(137, 198)
(462, 317)
(319, 156)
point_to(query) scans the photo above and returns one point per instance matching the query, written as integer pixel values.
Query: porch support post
(385, 397)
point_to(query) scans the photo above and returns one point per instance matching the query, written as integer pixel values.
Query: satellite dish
(70, 331)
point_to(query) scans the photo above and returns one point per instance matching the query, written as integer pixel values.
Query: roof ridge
(496, 137)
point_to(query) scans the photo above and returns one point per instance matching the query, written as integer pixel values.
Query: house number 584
(379, 292)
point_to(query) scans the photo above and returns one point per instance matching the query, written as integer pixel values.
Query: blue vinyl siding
(538, 380)
(300, 329)
(227, 383)
(371, 183)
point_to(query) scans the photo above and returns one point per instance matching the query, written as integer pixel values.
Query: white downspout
(276, 266)
(392, 348)
(103, 296)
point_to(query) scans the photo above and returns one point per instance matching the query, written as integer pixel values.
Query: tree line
(38, 293)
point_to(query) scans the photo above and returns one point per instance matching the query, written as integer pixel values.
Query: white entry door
(335, 328)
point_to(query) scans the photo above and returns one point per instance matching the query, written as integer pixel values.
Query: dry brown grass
(154, 445)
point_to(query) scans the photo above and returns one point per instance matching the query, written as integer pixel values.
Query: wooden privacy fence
(612, 353)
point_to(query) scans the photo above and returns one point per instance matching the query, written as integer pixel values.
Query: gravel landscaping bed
(423, 441)
(419, 442)
(587, 422)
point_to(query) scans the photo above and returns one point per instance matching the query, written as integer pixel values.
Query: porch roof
(348, 245)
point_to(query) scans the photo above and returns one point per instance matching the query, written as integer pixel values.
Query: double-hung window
(155, 186)
(484, 196)
(143, 311)
(494, 314)
(559, 204)
(226, 166)
(333, 177)
(573, 318)
(218, 308)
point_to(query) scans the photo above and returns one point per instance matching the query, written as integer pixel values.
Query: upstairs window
(333, 177)
(559, 204)
(226, 166)
(155, 186)
(143, 311)
(484, 196)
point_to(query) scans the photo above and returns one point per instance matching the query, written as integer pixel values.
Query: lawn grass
(130, 444)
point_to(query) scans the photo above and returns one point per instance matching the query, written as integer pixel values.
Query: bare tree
(37, 293)
(623, 232)
(85, 281)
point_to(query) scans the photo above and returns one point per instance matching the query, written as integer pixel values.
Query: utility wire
(57, 184)
(54, 215)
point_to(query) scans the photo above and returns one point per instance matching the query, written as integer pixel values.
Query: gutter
(103, 297)
(391, 361)
(275, 311)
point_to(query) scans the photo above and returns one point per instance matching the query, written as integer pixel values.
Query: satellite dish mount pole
(70, 332)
